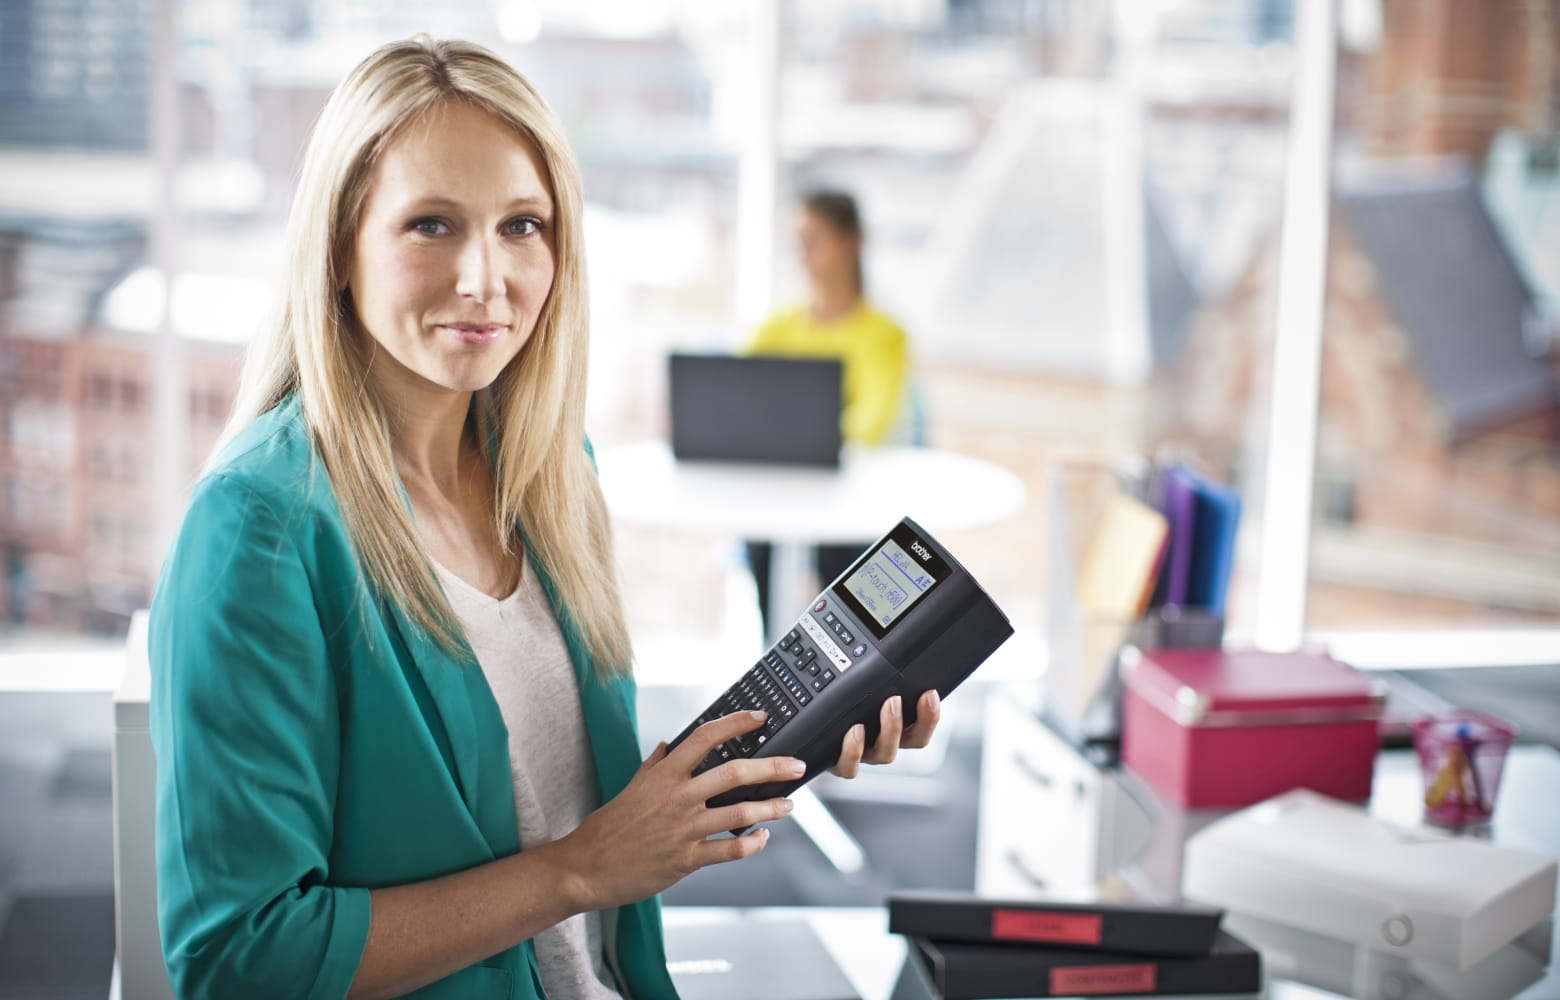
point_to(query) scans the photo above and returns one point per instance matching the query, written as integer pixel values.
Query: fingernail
(895, 706)
(858, 733)
(763, 833)
(786, 805)
(759, 716)
(798, 767)
(934, 701)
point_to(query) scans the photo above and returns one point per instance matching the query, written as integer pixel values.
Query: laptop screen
(756, 409)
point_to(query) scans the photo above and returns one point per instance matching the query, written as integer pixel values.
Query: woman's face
(453, 255)
(828, 255)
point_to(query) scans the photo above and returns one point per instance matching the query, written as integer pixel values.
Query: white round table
(796, 508)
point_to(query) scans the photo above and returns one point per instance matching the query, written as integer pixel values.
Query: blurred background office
(1111, 229)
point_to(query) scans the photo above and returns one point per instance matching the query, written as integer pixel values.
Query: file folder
(1178, 503)
(1138, 928)
(954, 970)
(1213, 543)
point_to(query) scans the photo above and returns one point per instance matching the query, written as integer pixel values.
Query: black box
(956, 970)
(1129, 928)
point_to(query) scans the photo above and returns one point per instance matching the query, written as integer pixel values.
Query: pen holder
(1461, 756)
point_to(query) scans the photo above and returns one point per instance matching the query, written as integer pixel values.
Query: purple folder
(1178, 503)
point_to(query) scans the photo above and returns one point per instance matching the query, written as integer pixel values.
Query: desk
(1297, 965)
(796, 508)
(1052, 823)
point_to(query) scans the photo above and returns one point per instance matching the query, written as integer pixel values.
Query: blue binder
(1213, 543)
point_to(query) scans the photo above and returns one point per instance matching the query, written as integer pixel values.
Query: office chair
(139, 972)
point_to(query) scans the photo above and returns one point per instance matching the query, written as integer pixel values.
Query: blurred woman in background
(838, 321)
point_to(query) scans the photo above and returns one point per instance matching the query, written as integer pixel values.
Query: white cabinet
(1047, 814)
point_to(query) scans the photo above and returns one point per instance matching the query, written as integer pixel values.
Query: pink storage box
(1212, 729)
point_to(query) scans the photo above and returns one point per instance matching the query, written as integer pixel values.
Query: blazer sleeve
(245, 724)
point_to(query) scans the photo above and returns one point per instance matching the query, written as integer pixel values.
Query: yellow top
(873, 348)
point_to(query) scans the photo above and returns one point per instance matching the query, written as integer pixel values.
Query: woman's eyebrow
(535, 203)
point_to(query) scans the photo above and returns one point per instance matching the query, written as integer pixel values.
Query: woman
(837, 321)
(392, 702)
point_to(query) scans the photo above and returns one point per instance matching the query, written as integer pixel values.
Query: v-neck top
(523, 656)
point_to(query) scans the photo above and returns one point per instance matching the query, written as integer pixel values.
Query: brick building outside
(76, 407)
(1438, 449)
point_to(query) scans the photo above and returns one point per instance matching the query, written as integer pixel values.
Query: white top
(523, 655)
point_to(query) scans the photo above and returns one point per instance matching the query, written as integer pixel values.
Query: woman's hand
(892, 735)
(657, 830)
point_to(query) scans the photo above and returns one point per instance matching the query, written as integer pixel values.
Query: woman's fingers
(723, 849)
(746, 771)
(692, 751)
(928, 714)
(676, 832)
(741, 815)
(852, 747)
(891, 722)
(893, 734)
(656, 756)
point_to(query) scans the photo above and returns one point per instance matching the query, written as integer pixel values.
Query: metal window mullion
(170, 439)
(758, 168)
(1284, 501)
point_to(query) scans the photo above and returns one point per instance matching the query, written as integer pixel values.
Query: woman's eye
(523, 226)
(430, 227)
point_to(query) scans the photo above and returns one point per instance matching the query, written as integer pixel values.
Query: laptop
(729, 408)
(753, 959)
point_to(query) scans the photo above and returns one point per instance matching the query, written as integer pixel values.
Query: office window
(1057, 204)
(1440, 399)
(132, 395)
(100, 391)
(87, 308)
(101, 463)
(1073, 207)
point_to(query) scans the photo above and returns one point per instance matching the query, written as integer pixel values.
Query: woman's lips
(474, 333)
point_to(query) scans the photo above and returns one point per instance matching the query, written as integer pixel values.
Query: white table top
(868, 494)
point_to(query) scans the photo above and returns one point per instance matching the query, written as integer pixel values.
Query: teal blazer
(312, 744)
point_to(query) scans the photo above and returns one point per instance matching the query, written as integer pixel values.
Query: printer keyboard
(781, 684)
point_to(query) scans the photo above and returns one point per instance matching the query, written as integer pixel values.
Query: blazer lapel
(464, 720)
(473, 728)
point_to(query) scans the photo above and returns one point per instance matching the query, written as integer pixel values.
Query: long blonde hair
(533, 414)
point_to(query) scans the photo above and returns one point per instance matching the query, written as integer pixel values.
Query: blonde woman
(392, 702)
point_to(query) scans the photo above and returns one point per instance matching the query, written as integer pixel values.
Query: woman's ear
(344, 304)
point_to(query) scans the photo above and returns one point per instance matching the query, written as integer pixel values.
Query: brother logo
(921, 551)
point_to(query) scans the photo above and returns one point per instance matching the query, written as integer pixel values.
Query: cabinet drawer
(1040, 812)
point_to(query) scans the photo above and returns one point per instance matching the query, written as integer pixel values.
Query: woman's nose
(479, 275)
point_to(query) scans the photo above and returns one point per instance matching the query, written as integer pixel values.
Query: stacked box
(965, 947)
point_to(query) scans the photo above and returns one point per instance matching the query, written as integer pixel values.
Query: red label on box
(1085, 980)
(1038, 925)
